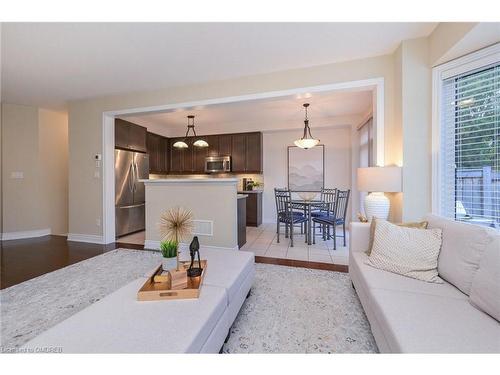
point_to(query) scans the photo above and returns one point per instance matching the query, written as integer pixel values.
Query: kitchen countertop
(250, 191)
(204, 180)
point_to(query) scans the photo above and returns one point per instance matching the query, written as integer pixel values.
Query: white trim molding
(475, 60)
(155, 245)
(88, 238)
(25, 234)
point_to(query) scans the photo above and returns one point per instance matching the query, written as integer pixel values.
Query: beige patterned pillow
(373, 225)
(406, 251)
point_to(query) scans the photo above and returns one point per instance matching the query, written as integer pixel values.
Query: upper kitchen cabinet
(238, 152)
(157, 147)
(189, 155)
(224, 145)
(213, 145)
(165, 152)
(246, 152)
(176, 157)
(181, 159)
(199, 155)
(130, 136)
(254, 152)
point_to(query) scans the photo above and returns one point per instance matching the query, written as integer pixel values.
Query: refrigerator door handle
(136, 176)
(131, 177)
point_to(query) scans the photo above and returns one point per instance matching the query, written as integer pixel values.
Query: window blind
(470, 149)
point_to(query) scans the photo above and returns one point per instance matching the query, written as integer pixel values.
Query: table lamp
(377, 181)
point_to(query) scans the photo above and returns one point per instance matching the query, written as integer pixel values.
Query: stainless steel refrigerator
(130, 208)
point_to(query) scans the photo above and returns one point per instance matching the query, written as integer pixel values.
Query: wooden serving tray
(162, 289)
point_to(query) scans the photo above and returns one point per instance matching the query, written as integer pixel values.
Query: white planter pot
(169, 263)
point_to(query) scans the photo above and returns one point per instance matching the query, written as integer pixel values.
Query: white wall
(34, 144)
(22, 208)
(416, 125)
(207, 200)
(337, 143)
(53, 151)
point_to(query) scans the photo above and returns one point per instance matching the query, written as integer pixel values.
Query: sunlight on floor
(262, 242)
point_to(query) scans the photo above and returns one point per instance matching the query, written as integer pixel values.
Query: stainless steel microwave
(217, 164)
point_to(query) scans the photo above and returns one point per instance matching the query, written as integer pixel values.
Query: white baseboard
(155, 245)
(25, 234)
(89, 238)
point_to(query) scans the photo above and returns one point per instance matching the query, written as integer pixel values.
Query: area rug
(290, 310)
(299, 310)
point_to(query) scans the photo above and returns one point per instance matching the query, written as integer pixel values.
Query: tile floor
(137, 238)
(262, 242)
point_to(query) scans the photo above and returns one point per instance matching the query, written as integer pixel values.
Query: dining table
(307, 206)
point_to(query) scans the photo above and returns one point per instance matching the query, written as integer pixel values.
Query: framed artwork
(306, 168)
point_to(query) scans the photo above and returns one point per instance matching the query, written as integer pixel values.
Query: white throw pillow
(406, 251)
(462, 250)
(485, 291)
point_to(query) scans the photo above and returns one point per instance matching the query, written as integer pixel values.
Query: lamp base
(377, 205)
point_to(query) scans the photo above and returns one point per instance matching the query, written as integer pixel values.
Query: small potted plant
(258, 185)
(169, 251)
(175, 225)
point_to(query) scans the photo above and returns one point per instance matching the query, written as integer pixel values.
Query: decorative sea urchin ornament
(175, 225)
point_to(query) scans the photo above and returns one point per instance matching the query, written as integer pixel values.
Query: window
(469, 145)
(366, 144)
(365, 135)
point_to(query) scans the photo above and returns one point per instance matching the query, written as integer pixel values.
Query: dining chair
(285, 214)
(327, 198)
(335, 218)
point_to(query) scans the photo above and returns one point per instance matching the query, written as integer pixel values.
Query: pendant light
(198, 143)
(307, 140)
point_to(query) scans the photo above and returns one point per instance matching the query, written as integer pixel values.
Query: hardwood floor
(302, 264)
(21, 260)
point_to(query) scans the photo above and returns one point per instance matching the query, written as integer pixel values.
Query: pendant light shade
(200, 143)
(180, 144)
(307, 140)
(197, 143)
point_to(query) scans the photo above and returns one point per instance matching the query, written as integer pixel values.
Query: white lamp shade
(180, 144)
(200, 143)
(379, 179)
(306, 143)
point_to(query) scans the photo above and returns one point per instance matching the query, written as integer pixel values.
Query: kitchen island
(213, 202)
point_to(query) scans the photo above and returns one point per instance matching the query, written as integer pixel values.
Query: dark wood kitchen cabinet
(238, 152)
(246, 153)
(245, 150)
(176, 157)
(224, 144)
(188, 154)
(165, 152)
(157, 147)
(181, 159)
(254, 209)
(254, 152)
(242, 221)
(129, 136)
(199, 155)
(213, 145)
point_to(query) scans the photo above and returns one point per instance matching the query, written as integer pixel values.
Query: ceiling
(48, 64)
(338, 108)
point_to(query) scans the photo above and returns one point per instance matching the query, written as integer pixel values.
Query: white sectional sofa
(412, 316)
(120, 324)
